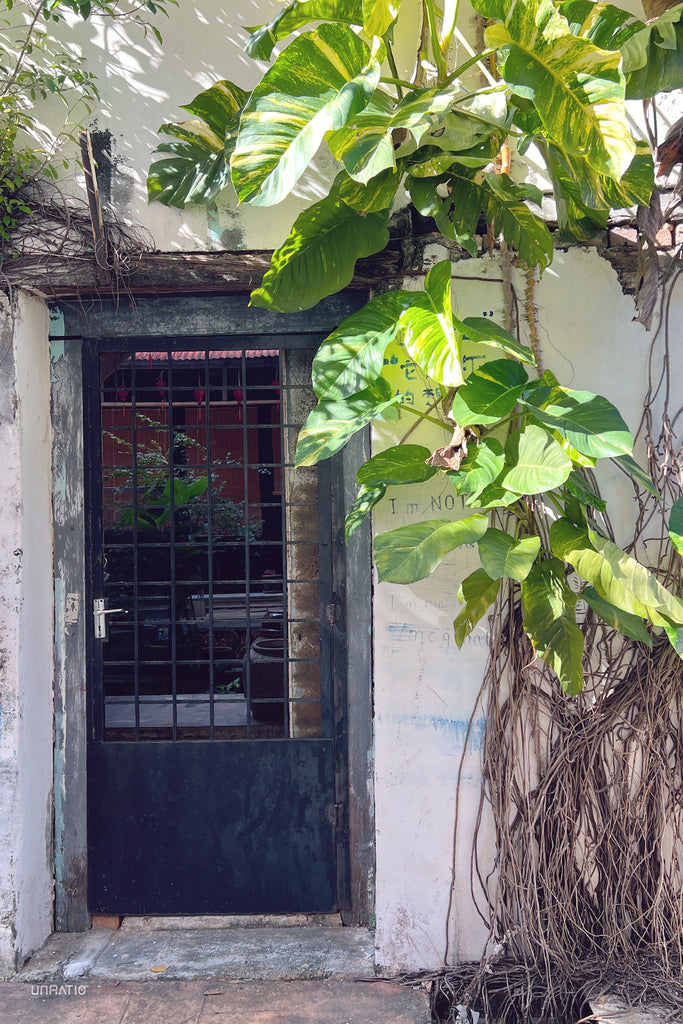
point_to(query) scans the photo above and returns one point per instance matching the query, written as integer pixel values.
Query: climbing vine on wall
(582, 874)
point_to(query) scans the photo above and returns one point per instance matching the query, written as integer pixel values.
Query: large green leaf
(478, 592)
(426, 195)
(597, 193)
(197, 166)
(351, 357)
(676, 525)
(502, 555)
(630, 625)
(548, 605)
(602, 23)
(618, 578)
(319, 256)
(364, 502)
(380, 134)
(483, 464)
(485, 332)
(538, 462)
(653, 57)
(330, 425)
(264, 37)
(492, 496)
(591, 424)
(379, 16)
(675, 637)
(469, 198)
(401, 464)
(316, 84)
(365, 146)
(378, 194)
(428, 332)
(577, 89)
(412, 552)
(490, 393)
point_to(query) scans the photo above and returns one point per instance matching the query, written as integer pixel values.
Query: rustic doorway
(192, 664)
(212, 751)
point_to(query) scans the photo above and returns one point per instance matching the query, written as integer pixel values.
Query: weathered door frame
(196, 317)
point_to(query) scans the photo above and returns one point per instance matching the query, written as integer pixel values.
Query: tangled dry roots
(586, 798)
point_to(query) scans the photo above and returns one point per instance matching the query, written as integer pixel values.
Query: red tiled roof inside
(187, 357)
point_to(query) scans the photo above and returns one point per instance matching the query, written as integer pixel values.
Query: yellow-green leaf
(412, 552)
(316, 84)
(577, 89)
(478, 592)
(548, 605)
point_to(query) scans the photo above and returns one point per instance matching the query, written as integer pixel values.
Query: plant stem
(462, 68)
(450, 16)
(479, 57)
(25, 49)
(416, 425)
(423, 416)
(441, 64)
(394, 70)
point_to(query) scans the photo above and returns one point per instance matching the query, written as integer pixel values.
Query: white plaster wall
(142, 85)
(425, 688)
(25, 634)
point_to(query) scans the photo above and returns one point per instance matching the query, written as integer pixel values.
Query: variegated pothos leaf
(315, 86)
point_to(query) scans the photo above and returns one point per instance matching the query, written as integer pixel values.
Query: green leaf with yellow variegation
(426, 326)
(195, 167)
(320, 81)
(617, 577)
(263, 38)
(351, 358)
(330, 425)
(577, 88)
(412, 552)
(379, 16)
(319, 255)
(363, 504)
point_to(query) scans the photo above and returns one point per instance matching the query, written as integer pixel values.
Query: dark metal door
(212, 764)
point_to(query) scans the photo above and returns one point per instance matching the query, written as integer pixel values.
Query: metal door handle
(100, 613)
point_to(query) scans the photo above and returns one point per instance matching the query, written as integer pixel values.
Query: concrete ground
(156, 971)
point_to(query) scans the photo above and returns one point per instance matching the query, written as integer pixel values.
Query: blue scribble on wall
(455, 728)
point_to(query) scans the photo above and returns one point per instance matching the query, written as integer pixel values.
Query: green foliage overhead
(195, 167)
(565, 69)
(514, 453)
(315, 86)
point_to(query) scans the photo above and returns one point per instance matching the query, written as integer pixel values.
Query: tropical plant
(189, 502)
(522, 448)
(35, 64)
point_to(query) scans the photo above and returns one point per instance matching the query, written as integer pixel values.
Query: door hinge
(335, 814)
(332, 613)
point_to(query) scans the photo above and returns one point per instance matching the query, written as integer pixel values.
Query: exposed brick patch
(106, 921)
(623, 236)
